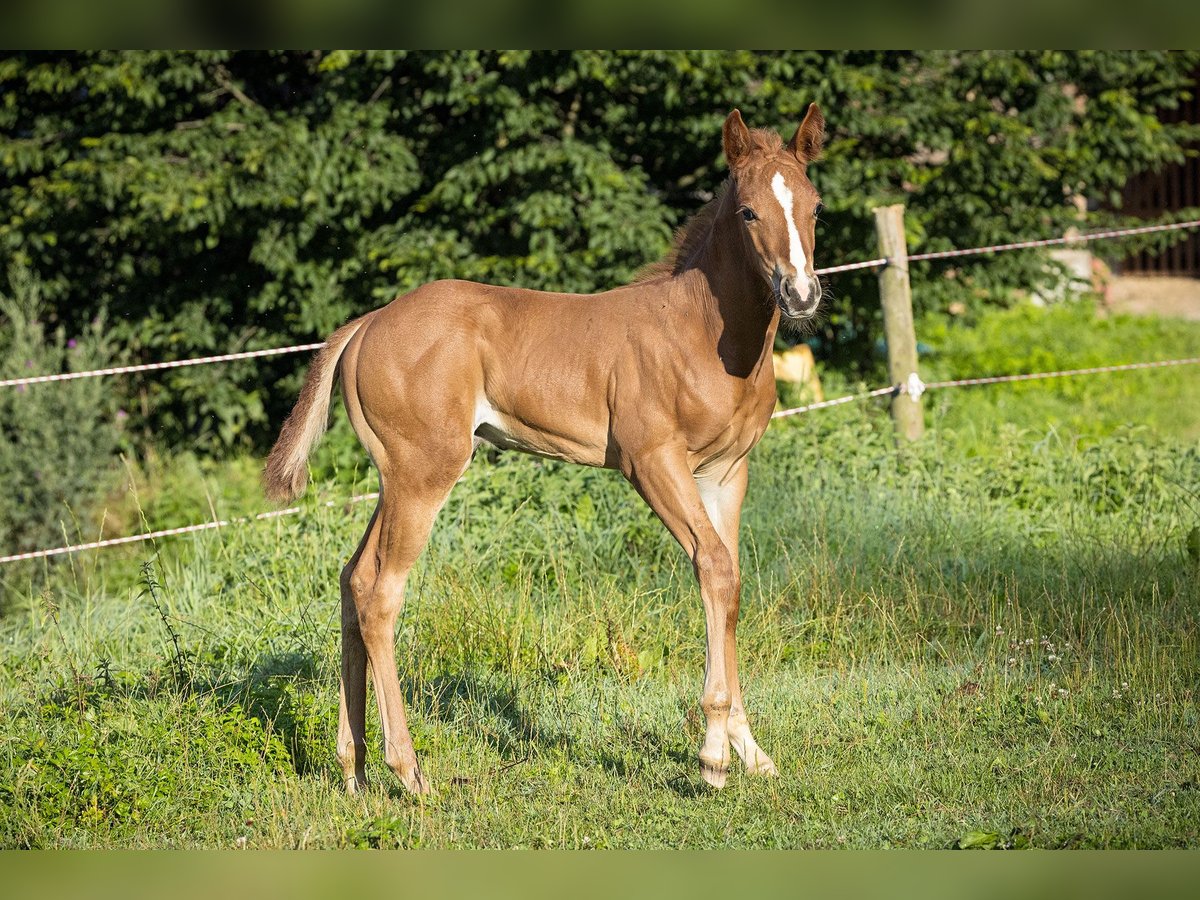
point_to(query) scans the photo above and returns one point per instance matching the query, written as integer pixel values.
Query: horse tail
(286, 471)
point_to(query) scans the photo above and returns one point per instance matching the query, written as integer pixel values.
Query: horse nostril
(794, 301)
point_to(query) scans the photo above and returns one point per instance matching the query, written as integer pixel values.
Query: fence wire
(891, 390)
(830, 270)
(172, 532)
(913, 387)
(151, 367)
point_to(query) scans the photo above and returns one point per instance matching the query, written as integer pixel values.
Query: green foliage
(933, 662)
(989, 642)
(168, 490)
(216, 201)
(991, 840)
(1027, 338)
(71, 769)
(381, 833)
(57, 442)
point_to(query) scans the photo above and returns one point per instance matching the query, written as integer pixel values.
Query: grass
(988, 640)
(1069, 336)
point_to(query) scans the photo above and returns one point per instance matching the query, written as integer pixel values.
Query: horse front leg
(723, 494)
(666, 483)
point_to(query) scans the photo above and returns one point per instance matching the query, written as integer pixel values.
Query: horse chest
(727, 425)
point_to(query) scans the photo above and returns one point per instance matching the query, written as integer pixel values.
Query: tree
(211, 201)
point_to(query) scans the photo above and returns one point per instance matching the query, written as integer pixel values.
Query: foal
(669, 380)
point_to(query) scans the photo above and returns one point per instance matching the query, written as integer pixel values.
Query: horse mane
(690, 236)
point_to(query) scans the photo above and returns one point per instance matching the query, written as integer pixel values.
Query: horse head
(777, 207)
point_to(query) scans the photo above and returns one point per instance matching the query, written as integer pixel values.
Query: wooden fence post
(895, 293)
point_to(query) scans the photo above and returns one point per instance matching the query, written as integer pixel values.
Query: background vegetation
(215, 201)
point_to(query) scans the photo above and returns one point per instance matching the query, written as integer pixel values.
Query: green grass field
(988, 640)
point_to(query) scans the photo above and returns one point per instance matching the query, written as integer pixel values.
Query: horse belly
(508, 432)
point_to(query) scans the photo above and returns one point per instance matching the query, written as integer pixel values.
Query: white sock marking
(784, 195)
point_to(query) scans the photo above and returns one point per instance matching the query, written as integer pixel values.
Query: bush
(57, 441)
(217, 201)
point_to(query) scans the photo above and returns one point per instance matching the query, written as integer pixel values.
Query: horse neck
(734, 297)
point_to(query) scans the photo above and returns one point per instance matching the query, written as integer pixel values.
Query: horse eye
(748, 214)
(820, 209)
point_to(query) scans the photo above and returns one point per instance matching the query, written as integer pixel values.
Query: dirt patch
(1177, 298)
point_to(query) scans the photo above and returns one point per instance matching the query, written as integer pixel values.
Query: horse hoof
(762, 767)
(713, 774)
(416, 784)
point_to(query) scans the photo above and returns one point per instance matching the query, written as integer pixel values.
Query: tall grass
(987, 640)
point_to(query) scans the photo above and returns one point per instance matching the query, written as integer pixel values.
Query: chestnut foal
(668, 379)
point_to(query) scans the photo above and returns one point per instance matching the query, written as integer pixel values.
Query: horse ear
(809, 138)
(736, 138)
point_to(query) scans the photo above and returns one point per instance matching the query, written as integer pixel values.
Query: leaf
(585, 512)
(651, 657)
(979, 840)
(590, 653)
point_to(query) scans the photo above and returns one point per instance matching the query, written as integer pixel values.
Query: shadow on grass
(491, 710)
(271, 692)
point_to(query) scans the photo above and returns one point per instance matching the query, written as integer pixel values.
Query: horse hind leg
(377, 618)
(411, 500)
(358, 577)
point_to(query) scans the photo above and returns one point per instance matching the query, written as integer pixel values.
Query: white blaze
(784, 195)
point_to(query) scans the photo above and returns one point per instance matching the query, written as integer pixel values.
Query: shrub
(217, 200)
(57, 441)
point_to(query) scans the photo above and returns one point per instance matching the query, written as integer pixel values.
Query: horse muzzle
(797, 301)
